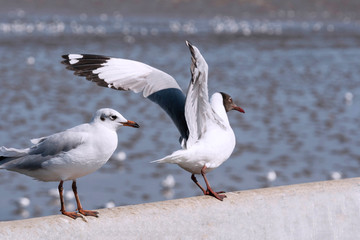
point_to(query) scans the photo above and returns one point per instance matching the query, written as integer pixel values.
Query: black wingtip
(188, 43)
(191, 48)
(66, 56)
(66, 62)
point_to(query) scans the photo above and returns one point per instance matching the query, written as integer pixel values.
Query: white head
(112, 119)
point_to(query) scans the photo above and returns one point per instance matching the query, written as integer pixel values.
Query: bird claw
(73, 215)
(89, 213)
(220, 196)
(217, 195)
(220, 192)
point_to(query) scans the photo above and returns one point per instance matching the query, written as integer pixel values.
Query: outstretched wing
(197, 106)
(120, 74)
(124, 74)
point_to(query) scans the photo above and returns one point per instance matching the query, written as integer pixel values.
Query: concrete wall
(322, 210)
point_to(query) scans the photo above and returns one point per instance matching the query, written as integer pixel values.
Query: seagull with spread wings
(206, 136)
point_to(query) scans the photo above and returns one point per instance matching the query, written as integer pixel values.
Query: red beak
(238, 109)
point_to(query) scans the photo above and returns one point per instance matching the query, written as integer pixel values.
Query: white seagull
(207, 138)
(70, 154)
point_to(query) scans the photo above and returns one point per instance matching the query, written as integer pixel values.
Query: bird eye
(113, 117)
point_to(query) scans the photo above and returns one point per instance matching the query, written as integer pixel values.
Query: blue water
(289, 71)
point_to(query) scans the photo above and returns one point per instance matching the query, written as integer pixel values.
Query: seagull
(206, 137)
(69, 155)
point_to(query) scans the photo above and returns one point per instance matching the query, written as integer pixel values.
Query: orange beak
(131, 124)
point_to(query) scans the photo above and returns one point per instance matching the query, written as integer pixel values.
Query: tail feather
(9, 154)
(12, 152)
(173, 158)
(162, 160)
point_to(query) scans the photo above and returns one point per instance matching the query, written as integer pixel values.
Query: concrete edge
(319, 210)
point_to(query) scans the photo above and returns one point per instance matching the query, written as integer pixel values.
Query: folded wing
(44, 148)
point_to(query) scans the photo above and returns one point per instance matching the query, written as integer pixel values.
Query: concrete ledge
(321, 210)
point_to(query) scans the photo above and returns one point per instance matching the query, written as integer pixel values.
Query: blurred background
(292, 65)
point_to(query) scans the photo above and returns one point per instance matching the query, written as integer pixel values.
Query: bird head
(113, 119)
(229, 104)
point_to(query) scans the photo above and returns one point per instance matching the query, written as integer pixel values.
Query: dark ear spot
(102, 117)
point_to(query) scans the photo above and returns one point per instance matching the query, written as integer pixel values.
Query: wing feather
(198, 110)
(120, 74)
(44, 149)
(124, 74)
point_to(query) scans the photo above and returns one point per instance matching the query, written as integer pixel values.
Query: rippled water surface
(294, 71)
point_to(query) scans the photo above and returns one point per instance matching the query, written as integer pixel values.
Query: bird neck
(218, 107)
(105, 126)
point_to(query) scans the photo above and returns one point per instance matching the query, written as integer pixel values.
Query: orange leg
(79, 207)
(198, 184)
(209, 190)
(73, 215)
